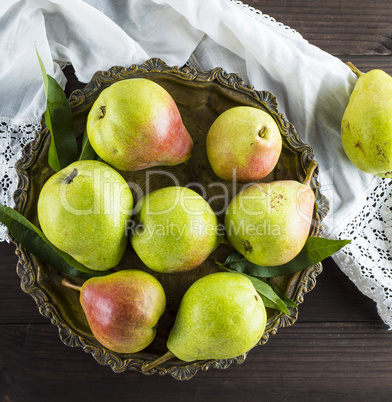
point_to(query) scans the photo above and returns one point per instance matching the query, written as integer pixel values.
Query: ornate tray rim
(303, 282)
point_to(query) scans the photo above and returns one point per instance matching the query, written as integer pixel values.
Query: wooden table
(339, 349)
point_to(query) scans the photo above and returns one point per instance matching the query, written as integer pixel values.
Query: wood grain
(307, 360)
(339, 349)
(342, 28)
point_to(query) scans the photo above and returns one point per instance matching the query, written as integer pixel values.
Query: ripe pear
(122, 309)
(84, 210)
(221, 316)
(243, 144)
(135, 124)
(366, 128)
(175, 229)
(268, 223)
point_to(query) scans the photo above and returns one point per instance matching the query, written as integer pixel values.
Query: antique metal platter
(201, 96)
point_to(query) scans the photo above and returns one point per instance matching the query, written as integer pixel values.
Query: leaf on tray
(316, 249)
(87, 152)
(283, 296)
(35, 242)
(271, 295)
(59, 120)
(270, 298)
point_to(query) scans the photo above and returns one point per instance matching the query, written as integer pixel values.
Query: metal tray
(201, 96)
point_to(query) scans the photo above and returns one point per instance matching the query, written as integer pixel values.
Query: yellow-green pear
(84, 210)
(175, 229)
(135, 124)
(122, 309)
(269, 223)
(366, 128)
(221, 316)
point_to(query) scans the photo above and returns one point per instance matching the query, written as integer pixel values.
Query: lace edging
(14, 135)
(367, 260)
(260, 16)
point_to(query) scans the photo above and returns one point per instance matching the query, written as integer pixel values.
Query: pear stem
(354, 69)
(71, 176)
(263, 131)
(71, 285)
(309, 173)
(167, 356)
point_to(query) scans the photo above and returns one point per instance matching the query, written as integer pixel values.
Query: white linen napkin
(312, 88)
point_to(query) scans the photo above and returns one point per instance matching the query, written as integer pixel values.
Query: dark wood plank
(345, 361)
(15, 305)
(365, 63)
(338, 27)
(335, 299)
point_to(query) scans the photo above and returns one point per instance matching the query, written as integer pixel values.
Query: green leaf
(35, 242)
(316, 249)
(59, 120)
(283, 296)
(87, 152)
(269, 296)
(267, 292)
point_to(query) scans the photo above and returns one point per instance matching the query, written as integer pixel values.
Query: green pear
(366, 128)
(135, 124)
(175, 229)
(243, 144)
(84, 210)
(122, 309)
(268, 223)
(221, 316)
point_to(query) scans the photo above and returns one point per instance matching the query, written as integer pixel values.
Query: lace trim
(255, 13)
(13, 137)
(367, 260)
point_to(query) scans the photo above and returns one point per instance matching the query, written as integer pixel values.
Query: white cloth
(311, 86)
